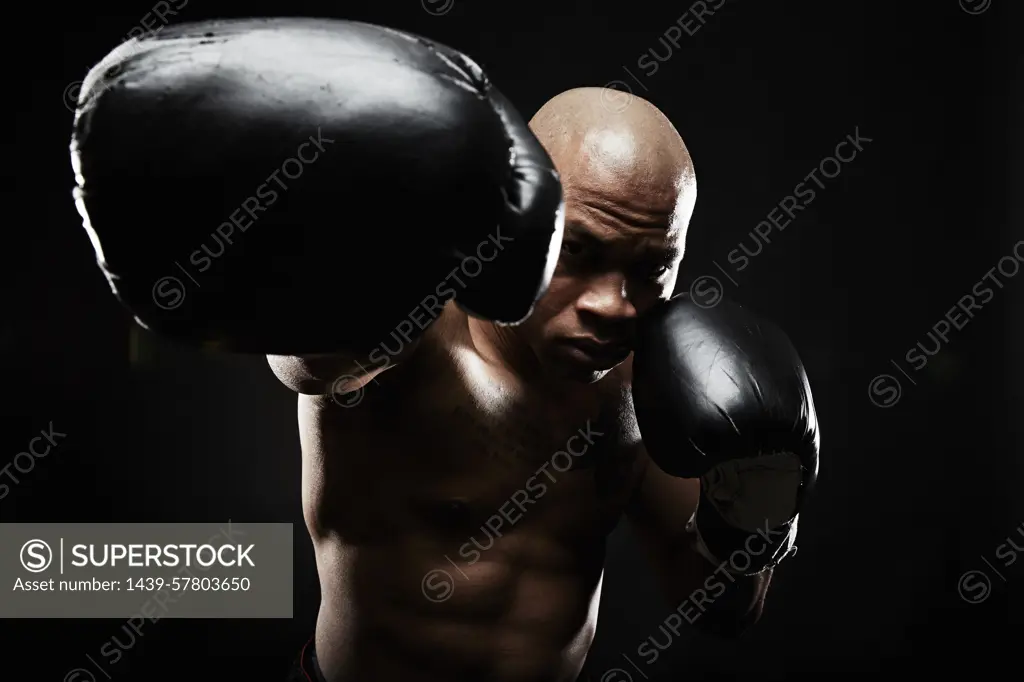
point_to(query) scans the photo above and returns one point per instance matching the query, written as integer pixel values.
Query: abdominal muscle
(503, 621)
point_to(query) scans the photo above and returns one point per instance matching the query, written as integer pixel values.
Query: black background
(910, 496)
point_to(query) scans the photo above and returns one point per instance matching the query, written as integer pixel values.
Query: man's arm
(730, 440)
(382, 229)
(706, 594)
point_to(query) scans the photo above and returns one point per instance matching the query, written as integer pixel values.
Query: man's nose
(607, 297)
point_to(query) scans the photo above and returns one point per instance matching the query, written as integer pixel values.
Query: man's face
(619, 257)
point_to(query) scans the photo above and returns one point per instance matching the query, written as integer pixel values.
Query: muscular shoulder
(324, 373)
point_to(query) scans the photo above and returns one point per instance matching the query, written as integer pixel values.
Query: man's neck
(502, 346)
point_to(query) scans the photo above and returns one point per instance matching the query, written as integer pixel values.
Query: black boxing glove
(299, 186)
(721, 394)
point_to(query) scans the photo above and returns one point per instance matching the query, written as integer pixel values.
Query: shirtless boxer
(491, 451)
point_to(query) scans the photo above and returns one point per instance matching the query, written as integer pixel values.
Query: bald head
(629, 191)
(606, 139)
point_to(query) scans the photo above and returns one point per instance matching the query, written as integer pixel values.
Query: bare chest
(454, 450)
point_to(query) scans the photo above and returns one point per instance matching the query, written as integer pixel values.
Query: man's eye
(652, 271)
(572, 248)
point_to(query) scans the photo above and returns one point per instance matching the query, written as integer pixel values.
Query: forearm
(709, 595)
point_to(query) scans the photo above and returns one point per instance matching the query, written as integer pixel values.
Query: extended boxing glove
(293, 186)
(721, 395)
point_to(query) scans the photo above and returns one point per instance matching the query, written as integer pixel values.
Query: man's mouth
(604, 354)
